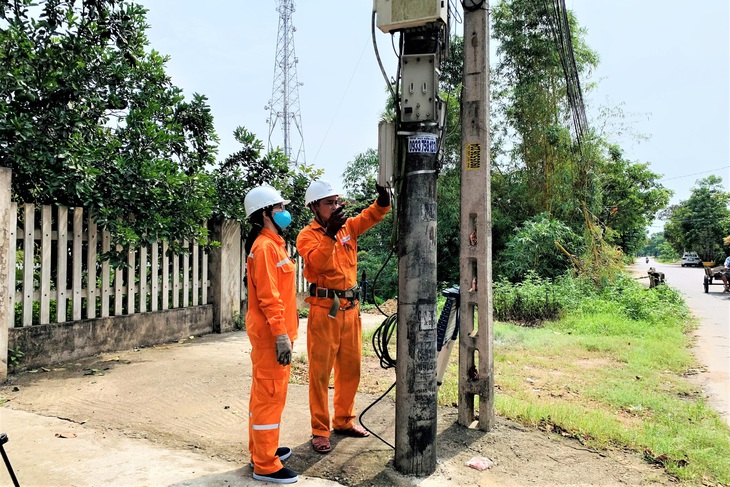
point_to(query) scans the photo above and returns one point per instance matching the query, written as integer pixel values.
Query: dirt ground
(192, 396)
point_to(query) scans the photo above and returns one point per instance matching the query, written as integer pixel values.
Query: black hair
(257, 223)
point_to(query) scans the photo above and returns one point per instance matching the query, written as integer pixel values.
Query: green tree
(666, 253)
(532, 249)
(532, 112)
(88, 117)
(701, 222)
(651, 247)
(630, 197)
(249, 167)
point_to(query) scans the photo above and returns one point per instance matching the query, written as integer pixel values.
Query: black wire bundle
(557, 16)
(381, 339)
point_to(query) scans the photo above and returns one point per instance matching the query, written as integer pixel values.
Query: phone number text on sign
(423, 143)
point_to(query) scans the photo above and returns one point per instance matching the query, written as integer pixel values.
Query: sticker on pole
(425, 143)
(473, 156)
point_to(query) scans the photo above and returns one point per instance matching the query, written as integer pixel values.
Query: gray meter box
(419, 95)
(404, 14)
(386, 153)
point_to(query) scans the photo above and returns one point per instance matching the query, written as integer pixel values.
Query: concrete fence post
(225, 274)
(5, 222)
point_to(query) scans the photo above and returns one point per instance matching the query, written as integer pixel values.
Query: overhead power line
(694, 174)
(557, 16)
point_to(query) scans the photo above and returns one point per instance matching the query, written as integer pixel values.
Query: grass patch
(610, 372)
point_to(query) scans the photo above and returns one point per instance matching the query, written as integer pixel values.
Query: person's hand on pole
(383, 195)
(283, 349)
(335, 222)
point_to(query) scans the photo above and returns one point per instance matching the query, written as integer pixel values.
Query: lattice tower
(284, 103)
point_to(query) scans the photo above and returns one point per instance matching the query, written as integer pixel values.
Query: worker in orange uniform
(328, 246)
(271, 323)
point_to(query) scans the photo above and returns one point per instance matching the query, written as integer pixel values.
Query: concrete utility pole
(422, 25)
(476, 361)
(416, 392)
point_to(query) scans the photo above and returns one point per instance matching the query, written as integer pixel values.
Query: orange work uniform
(272, 311)
(334, 342)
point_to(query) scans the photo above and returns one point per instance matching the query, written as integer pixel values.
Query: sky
(664, 66)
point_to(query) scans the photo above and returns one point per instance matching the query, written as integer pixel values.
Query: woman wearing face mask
(271, 324)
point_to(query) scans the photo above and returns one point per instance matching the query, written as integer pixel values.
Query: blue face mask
(282, 218)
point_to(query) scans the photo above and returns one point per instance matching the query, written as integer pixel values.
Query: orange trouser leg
(269, 384)
(323, 338)
(347, 369)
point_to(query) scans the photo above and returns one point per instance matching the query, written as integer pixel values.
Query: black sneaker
(283, 476)
(283, 452)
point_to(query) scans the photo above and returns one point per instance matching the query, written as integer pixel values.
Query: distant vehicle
(691, 259)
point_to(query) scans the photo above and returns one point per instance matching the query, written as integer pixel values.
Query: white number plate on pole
(425, 143)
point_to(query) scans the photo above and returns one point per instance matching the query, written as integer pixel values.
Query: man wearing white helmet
(271, 324)
(328, 246)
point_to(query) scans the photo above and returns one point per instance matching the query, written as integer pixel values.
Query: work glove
(383, 195)
(335, 222)
(283, 349)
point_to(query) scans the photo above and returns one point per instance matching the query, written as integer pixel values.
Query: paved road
(713, 335)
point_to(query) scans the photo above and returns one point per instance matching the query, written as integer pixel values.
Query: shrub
(529, 302)
(532, 248)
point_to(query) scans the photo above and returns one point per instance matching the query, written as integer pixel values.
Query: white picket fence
(61, 278)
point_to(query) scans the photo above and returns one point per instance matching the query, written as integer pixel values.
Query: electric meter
(404, 14)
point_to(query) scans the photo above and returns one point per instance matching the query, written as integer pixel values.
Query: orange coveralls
(334, 342)
(272, 311)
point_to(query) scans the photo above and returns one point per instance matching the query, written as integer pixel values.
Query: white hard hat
(261, 197)
(318, 190)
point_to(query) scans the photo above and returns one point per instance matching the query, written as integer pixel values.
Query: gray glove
(283, 349)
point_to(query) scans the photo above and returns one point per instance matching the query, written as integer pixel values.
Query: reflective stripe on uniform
(283, 262)
(261, 427)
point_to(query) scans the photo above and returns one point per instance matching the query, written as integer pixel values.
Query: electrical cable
(444, 129)
(693, 174)
(354, 71)
(454, 11)
(366, 410)
(375, 280)
(381, 342)
(392, 43)
(377, 56)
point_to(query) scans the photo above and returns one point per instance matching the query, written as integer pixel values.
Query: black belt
(353, 294)
(322, 292)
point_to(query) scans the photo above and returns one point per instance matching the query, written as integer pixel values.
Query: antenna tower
(284, 103)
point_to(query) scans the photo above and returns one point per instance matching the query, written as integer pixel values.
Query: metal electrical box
(386, 153)
(404, 14)
(419, 88)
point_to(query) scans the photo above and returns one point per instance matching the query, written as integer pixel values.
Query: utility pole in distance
(476, 361)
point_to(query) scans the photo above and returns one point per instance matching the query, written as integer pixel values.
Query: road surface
(712, 309)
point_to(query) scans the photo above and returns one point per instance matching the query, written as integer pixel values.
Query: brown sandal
(356, 431)
(321, 444)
